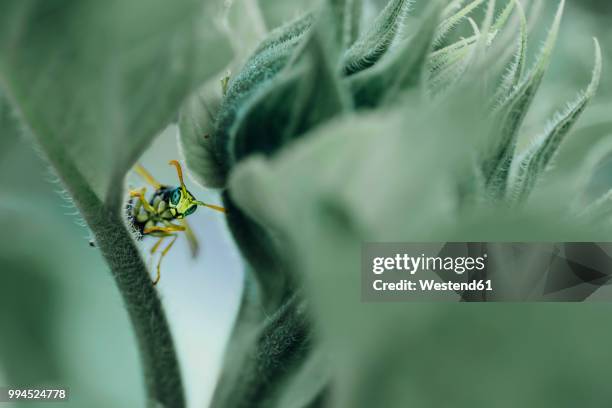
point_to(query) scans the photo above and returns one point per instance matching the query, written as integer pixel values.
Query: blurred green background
(62, 321)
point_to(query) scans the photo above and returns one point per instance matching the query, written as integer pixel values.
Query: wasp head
(182, 203)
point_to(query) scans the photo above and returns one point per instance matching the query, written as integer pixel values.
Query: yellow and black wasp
(156, 216)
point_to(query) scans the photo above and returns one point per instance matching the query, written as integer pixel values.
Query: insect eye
(191, 209)
(175, 197)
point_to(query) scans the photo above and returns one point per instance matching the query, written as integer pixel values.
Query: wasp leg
(194, 246)
(142, 172)
(163, 254)
(140, 195)
(154, 249)
(169, 229)
(157, 244)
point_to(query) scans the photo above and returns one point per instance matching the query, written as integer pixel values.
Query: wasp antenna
(179, 172)
(212, 207)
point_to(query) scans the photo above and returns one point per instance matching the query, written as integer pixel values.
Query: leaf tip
(597, 70)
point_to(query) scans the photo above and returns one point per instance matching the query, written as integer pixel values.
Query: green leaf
(206, 118)
(450, 22)
(510, 114)
(75, 68)
(196, 125)
(352, 19)
(285, 92)
(267, 274)
(451, 67)
(386, 177)
(346, 15)
(475, 70)
(399, 70)
(333, 150)
(535, 160)
(262, 113)
(264, 65)
(517, 68)
(310, 386)
(94, 83)
(478, 61)
(594, 126)
(449, 64)
(370, 148)
(282, 111)
(502, 19)
(290, 31)
(264, 356)
(290, 105)
(443, 57)
(452, 7)
(377, 40)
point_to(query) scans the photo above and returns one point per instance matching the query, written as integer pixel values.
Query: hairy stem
(161, 370)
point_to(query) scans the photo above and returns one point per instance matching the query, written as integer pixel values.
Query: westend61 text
(432, 285)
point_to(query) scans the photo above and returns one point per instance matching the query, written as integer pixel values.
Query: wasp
(163, 215)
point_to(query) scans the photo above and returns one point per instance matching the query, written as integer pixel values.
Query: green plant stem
(161, 370)
(160, 365)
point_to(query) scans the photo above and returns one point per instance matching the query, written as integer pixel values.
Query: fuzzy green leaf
(267, 275)
(450, 22)
(264, 65)
(452, 7)
(290, 31)
(368, 186)
(265, 355)
(310, 386)
(439, 59)
(352, 19)
(397, 71)
(290, 105)
(90, 94)
(354, 135)
(448, 64)
(375, 42)
(535, 160)
(517, 68)
(510, 115)
(206, 118)
(479, 61)
(471, 68)
(451, 66)
(346, 16)
(196, 125)
(277, 114)
(250, 136)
